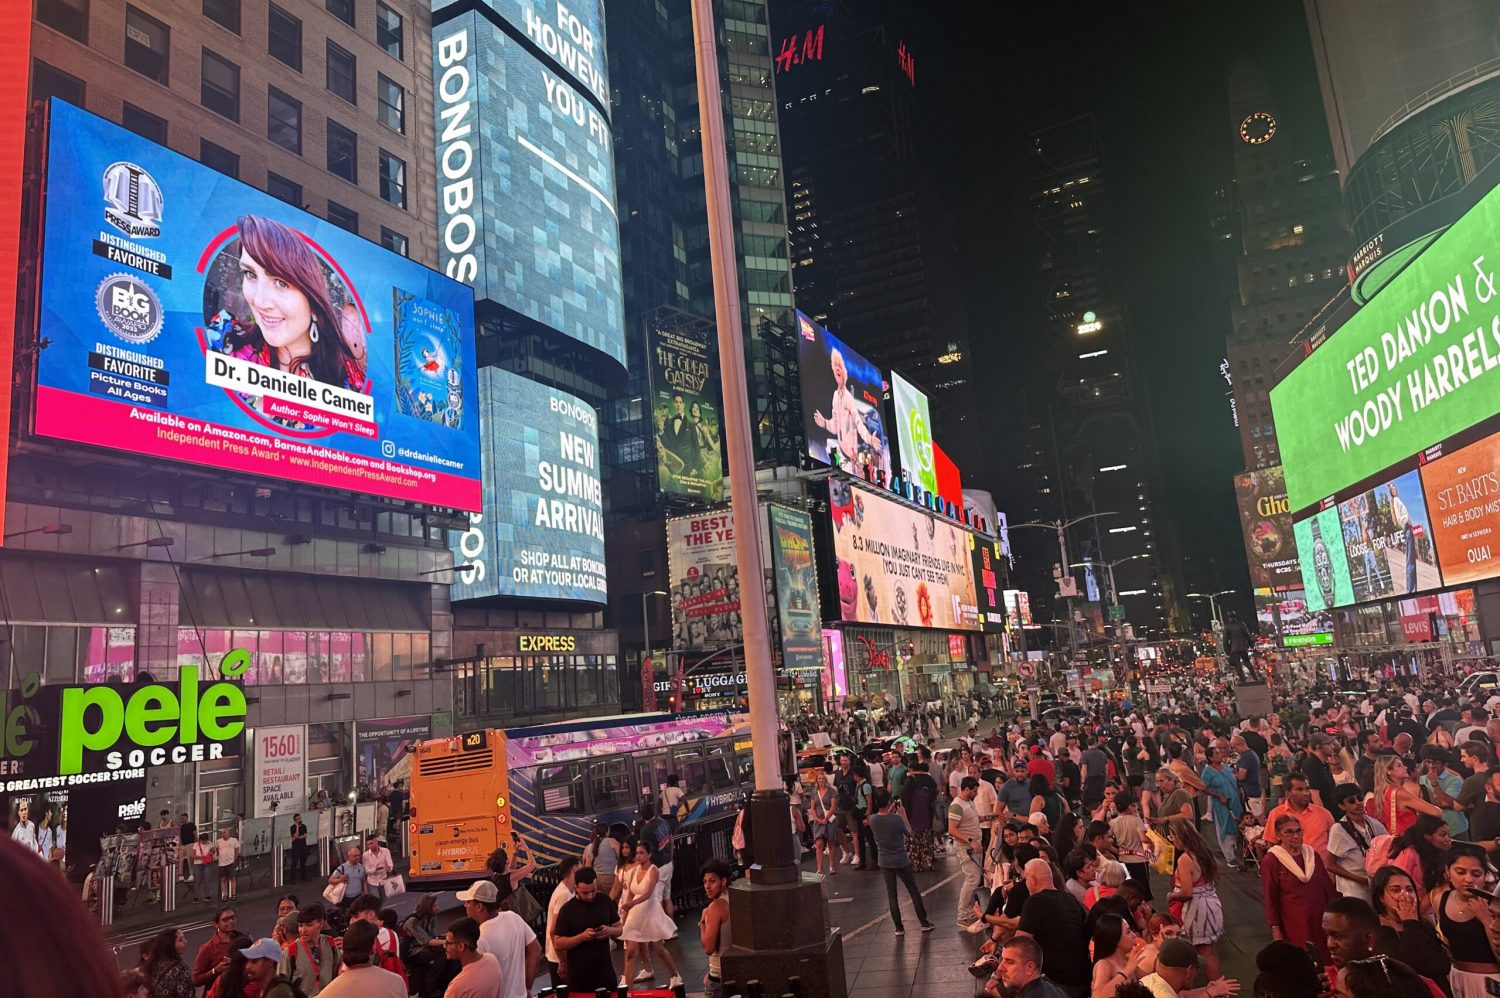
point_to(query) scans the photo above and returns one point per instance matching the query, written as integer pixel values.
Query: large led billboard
(189, 316)
(705, 582)
(898, 565)
(1265, 517)
(985, 555)
(1325, 567)
(570, 33)
(1388, 540)
(541, 534)
(841, 400)
(683, 366)
(914, 433)
(526, 185)
(1408, 370)
(1463, 496)
(797, 612)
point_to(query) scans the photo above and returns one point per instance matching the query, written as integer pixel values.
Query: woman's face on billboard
(281, 309)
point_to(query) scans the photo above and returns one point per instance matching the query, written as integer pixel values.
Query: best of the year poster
(189, 316)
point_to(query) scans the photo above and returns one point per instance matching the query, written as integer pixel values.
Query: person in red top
(213, 956)
(1041, 764)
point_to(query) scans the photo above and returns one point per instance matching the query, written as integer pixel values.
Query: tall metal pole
(773, 842)
(1062, 545)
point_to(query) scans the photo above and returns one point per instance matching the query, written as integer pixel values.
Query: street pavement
(877, 963)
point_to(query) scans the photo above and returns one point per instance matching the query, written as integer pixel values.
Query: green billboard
(1325, 566)
(914, 433)
(1410, 369)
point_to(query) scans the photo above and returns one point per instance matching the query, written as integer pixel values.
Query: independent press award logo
(133, 201)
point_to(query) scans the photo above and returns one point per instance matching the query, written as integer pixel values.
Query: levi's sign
(61, 731)
(1410, 369)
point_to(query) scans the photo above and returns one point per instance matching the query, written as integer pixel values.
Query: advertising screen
(1265, 517)
(835, 678)
(570, 33)
(1299, 625)
(541, 533)
(705, 587)
(682, 363)
(841, 399)
(897, 565)
(384, 749)
(1388, 540)
(796, 588)
(526, 186)
(914, 433)
(191, 317)
(985, 556)
(1409, 369)
(1325, 567)
(1463, 494)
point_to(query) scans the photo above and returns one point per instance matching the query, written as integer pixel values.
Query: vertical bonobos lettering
(95, 718)
(456, 158)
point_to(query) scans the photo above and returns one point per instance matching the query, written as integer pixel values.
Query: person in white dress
(646, 925)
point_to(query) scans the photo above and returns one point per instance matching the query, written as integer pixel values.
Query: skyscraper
(872, 243)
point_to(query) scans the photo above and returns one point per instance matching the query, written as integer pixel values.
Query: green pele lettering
(96, 718)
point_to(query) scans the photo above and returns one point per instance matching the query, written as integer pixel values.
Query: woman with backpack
(1419, 852)
(423, 945)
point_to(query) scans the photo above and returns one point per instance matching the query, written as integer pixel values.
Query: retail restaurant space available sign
(70, 735)
(984, 558)
(914, 433)
(1463, 499)
(189, 316)
(1325, 566)
(569, 32)
(280, 778)
(797, 611)
(541, 534)
(1265, 517)
(686, 414)
(705, 587)
(897, 565)
(1410, 369)
(526, 185)
(842, 395)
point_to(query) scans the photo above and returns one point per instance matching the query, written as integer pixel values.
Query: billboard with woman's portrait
(190, 317)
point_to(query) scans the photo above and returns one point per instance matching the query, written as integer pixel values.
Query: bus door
(651, 775)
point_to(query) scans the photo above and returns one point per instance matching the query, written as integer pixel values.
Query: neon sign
(908, 63)
(799, 48)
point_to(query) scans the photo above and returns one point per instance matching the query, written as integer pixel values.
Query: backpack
(1379, 853)
(388, 961)
(282, 986)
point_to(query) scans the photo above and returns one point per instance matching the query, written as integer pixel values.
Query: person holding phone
(581, 934)
(1466, 920)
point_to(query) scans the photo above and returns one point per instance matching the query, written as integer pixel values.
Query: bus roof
(590, 723)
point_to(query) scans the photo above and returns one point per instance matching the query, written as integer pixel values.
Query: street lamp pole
(648, 681)
(1062, 547)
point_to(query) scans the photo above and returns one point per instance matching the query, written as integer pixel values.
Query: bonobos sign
(71, 735)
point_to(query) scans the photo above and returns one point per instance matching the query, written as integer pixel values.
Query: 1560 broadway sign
(81, 734)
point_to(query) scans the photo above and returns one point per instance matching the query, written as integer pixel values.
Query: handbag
(394, 884)
(334, 893)
(522, 903)
(1166, 853)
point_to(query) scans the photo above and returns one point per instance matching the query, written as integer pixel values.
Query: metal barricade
(106, 886)
(278, 866)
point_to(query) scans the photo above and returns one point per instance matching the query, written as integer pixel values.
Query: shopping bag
(1166, 855)
(394, 885)
(334, 893)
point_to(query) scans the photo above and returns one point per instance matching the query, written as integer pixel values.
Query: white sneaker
(676, 980)
(645, 974)
(843, 855)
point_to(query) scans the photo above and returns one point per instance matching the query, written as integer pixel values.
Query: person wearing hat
(1177, 963)
(260, 968)
(504, 935)
(360, 977)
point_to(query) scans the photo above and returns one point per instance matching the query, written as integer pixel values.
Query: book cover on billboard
(429, 360)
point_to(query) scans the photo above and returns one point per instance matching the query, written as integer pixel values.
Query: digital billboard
(797, 610)
(571, 34)
(682, 363)
(1463, 496)
(914, 433)
(1265, 518)
(541, 532)
(841, 398)
(191, 317)
(985, 555)
(526, 185)
(1388, 540)
(1408, 370)
(1325, 567)
(898, 565)
(705, 582)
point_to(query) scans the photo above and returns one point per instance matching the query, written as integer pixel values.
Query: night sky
(1156, 79)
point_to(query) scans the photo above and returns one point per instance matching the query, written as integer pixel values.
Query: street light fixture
(252, 553)
(1061, 528)
(1213, 602)
(46, 528)
(155, 542)
(1109, 566)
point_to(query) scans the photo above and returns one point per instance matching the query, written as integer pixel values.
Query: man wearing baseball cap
(260, 967)
(1177, 964)
(505, 936)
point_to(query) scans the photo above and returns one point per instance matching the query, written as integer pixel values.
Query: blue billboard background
(541, 533)
(526, 185)
(570, 32)
(160, 339)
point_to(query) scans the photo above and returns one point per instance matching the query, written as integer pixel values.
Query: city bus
(551, 783)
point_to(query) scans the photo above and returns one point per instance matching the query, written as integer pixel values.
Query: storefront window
(586, 673)
(110, 654)
(269, 670)
(317, 656)
(359, 658)
(27, 646)
(401, 656)
(340, 654)
(421, 655)
(382, 657)
(551, 678)
(294, 657)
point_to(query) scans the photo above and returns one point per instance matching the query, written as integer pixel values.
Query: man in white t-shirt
(506, 936)
(227, 849)
(561, 895)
